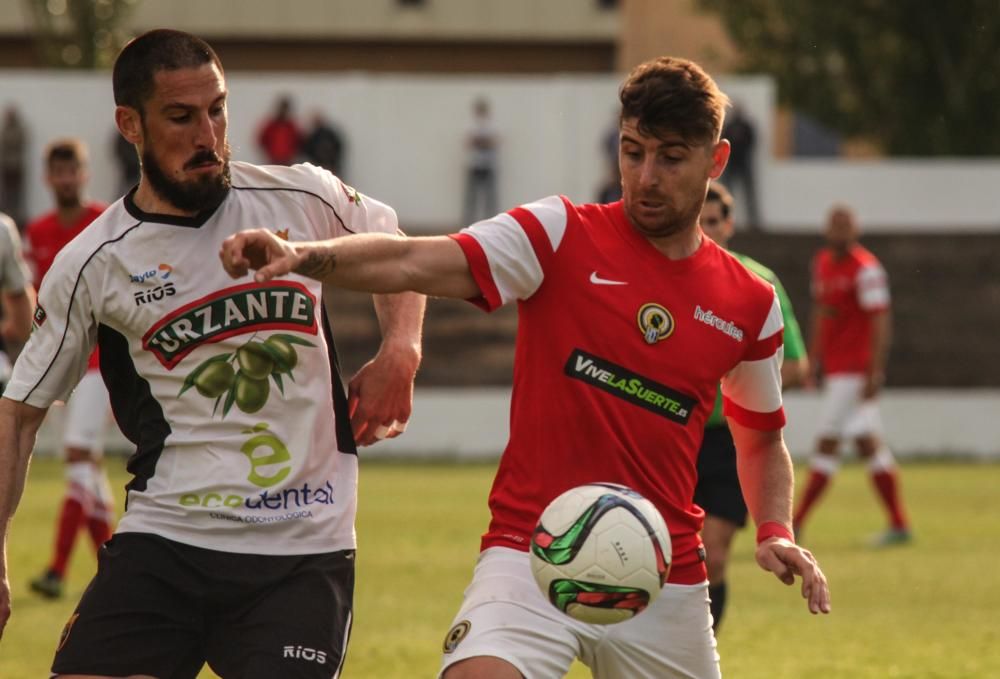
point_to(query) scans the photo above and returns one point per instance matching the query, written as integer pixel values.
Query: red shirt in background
(849, 290)
(46, 236)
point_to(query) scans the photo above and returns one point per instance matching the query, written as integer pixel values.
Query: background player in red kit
(88, 500)
(849, 343)
(609, 297)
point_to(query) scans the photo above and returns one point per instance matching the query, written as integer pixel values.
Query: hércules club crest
(275, 305)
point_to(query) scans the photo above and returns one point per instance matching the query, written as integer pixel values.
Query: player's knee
(828, 446)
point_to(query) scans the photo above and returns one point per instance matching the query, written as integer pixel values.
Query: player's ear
(129, 124)
(720, 156)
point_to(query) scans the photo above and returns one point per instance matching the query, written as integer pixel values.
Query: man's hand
(380, 396)
(786, 560)
(259, 250)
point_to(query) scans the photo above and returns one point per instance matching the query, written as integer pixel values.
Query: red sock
(887, 484)
(817, 483)
(70, 520)
(100, 530)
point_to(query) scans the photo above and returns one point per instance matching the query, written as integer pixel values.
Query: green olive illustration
(250, 394)
(255, 362)
(284, 353)
(215, 379)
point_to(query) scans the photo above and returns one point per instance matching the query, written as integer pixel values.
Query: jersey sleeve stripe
(536, 233)
(748, 418)
(489, 299)
(755, 385)
(552, 216)
(764, 348)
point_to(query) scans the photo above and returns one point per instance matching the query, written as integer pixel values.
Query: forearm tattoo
(317, 264)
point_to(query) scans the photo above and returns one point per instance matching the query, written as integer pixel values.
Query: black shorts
(718, 491)
(161, 608)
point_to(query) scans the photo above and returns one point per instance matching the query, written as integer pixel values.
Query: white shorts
(845, 414)
(505, 615)
(87, 414)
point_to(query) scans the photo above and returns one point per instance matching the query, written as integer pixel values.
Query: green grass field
(925, 610)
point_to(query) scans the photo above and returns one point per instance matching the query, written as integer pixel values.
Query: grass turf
(926, 610)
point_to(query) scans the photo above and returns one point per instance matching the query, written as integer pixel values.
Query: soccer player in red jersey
(88, 500)
(849, 343)
(628, 320)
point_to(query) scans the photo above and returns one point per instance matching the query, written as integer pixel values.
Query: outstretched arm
(765, 471)
(18, 426)
(370, 262)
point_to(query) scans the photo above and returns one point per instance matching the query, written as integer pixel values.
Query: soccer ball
(600, 553)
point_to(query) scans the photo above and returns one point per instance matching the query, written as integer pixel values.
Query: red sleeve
(489, 299)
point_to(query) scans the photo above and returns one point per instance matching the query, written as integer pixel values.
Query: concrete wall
(354, 19)
(472, 424)
(405, 137)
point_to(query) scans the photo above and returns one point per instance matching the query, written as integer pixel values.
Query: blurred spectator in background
(88, 501)
(16, 296)
(742, 135)
(128, 162)
(13, 145)
(849, 341)
(280, 137)
(481, 173)
(324, 145)
(611, 188)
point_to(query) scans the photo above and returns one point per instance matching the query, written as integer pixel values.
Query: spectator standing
(481, 165)
(742, 135)
(280, 137)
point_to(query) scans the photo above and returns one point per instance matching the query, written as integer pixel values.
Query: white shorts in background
(505, 615)
(845, 414)
(87, 413)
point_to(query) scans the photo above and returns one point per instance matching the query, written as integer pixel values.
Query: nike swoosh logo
(597, 280)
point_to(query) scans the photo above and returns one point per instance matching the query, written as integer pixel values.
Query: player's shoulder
(730, 272)
(302, 177)
(109, 225)
(863, 256)
(756, 267)
(41, 224)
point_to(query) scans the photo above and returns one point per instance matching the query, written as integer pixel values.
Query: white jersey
(229, 389)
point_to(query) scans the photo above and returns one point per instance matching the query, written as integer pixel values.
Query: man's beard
(204, 193)
(68, 201)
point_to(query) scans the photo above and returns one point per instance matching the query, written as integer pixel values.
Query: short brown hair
(668, 95)
(69, 148)
(158, 50)
(720, 194)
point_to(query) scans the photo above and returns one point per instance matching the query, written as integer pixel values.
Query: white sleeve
(752, 390)
(517, 245)
(873, 287)
(14, 273)
(62, 339)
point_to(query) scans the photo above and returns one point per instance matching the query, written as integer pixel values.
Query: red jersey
(848, 291)
(46, 236)
(619, 354)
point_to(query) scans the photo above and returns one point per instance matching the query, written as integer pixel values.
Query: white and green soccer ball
(601, 553)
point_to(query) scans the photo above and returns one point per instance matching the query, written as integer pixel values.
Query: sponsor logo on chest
(709, 318)
(277, 305)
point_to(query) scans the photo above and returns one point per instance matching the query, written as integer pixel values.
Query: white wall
(473, 424)
(405, 137)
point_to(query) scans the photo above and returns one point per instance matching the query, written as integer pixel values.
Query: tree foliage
(917, 78)
(80, 33)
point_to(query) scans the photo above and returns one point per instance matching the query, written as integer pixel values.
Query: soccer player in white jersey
(628, 319)
(237, 544)
(17, 296)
